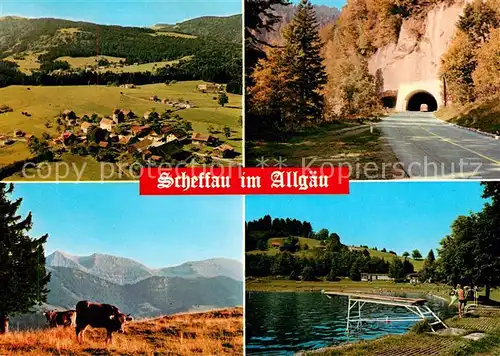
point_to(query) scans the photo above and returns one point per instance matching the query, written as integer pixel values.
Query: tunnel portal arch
(420, 98)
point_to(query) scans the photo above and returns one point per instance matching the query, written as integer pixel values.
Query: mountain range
(137, 289)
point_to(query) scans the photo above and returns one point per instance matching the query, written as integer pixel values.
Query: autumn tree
(478, 19)
(486, 76)
(288, 83)
(457, 66)
(260, 17)
(23, 278)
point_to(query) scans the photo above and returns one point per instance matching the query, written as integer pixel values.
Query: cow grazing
(60, 318)
(96, 315)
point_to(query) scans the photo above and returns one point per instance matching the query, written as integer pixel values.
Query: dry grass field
(211, 333)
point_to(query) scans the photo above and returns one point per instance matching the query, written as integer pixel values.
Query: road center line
(462, 147)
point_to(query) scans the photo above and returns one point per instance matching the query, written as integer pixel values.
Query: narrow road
(430, 148)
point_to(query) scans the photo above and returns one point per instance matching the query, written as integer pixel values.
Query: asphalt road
(430, 148)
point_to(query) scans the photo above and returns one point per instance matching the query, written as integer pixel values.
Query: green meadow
(45, 104)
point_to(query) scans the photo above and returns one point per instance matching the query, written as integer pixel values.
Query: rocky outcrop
(416, 57)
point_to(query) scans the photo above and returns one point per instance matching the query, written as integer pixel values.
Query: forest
(214, 60)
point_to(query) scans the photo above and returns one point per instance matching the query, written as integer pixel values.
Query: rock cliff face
(412, 64)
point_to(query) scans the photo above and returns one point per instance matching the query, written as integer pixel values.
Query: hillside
(122, 271)
(35, 43)
(211, 333)
(137, 289)
(225, 28)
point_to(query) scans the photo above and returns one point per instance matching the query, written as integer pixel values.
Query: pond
(284, 323)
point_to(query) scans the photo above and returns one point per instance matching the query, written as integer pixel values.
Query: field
(82, 62)
(312, 243)
(211, 333)
(45, 104)
(173, 34)
(146, 67)
(28, 63)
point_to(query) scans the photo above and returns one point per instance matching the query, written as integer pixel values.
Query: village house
(29, 137)
(140, 130)
(224, 151)
(85, 126)
(124, 140)
(67, 138)
(104, 144)
(140, 146)
(369, 277)
(276, 244)
(5, 141)
(128, 114)
(118, 116)
(19, 133)
(165, 148)
(68, 115)
(155, 98)
(107, 124)
(203, 139)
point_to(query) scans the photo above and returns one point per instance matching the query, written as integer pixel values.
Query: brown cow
(96, 315)
(60, 318)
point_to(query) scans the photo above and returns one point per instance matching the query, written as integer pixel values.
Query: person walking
(461, 300)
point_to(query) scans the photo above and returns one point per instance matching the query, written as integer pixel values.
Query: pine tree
(305, 69)
(23, 279)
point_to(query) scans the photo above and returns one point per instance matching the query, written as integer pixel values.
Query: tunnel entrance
(389, 102)
(419, 100)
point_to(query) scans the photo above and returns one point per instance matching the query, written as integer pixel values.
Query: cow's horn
(111, 317)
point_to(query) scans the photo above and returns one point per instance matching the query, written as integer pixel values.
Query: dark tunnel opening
(389, 102)
(419, 100)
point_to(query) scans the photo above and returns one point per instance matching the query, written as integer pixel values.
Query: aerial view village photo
(393, 89)
(141, 290)
(412, 270)
(95, 93)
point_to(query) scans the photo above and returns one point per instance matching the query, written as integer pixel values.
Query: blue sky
(121, 12)
(82, 219)
(330, 3)
(397, 216)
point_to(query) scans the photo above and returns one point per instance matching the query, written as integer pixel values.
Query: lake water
(284, 323)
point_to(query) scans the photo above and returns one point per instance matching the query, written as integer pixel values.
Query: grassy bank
(340, 143)
(210, 333)
(344, 285)
(483, 115)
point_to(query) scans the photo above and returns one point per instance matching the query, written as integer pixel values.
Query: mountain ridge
(123, 270)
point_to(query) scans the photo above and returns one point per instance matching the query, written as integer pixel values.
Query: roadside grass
(210, 333)
(367, 154)
(45, 104)
(483, 115)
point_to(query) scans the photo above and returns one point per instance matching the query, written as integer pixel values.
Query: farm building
(118, 116)
(140, 130)
(85, 126)
(276, 244)
(128, 114)
(140, 146)
(104, 144)
(124, 140)
(368, 277)
(203, 139)
(5, 141)
(107, 124)
(67, 138)
(19, 133)
(68, 115)
(4, 109)
(224, 151)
